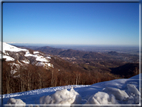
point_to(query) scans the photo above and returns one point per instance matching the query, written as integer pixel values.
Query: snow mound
(134, 94)
(119, 94)
(62, 97)
(132, 89)
(111, 95)
(102, 98)
(15, 103)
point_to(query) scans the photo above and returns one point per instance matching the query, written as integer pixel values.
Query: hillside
(24, 66)
(25, 70)
(126, 70)
(97, 61)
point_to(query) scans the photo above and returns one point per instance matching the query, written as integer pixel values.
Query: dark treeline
(33, 77)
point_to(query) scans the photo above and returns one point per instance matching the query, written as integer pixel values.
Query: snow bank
(132, 89)
(134, 94)
(62, 97)
(111, 95)
(12, 102)
(119, 94)
(102, 98)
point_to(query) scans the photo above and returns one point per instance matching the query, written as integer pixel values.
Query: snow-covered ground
(40, 59)
(119, 92)
(7, 47)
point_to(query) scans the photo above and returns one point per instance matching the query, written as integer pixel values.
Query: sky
(71, 23)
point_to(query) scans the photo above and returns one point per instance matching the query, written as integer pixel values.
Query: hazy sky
(71, 23)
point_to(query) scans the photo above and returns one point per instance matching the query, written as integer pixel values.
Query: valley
(44, 67)
(100, 61)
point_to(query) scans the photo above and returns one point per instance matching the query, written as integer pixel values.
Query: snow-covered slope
(126, 92)
(21, 57)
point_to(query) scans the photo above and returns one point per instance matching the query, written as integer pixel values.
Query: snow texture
(62, 97)
(102, 98)
(12, 102)
(133, 89)
(119, 94)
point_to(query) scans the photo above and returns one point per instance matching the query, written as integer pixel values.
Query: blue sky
(71, 23)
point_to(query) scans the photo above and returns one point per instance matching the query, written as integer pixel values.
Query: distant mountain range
(47, 67)
(94, 61)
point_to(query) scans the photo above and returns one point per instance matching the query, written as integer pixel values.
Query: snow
(38, 57)
(12, 102)
(7, 47)
(35, 52)
(133, 89)
(102, 98)
(41, 60)
(14, 67)
(25, 61)
(62, 97)
(46, 65)
(48, 57)
(8, 58)
(118, 92)
(50, 65)
(28, 54)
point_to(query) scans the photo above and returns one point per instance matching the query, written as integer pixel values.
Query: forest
(35, 77)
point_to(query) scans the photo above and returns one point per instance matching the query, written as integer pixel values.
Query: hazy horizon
(91, 48)
(45, 44)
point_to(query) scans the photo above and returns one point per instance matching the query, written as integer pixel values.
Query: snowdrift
(15, 102)
(62, 97)
(115, 92)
